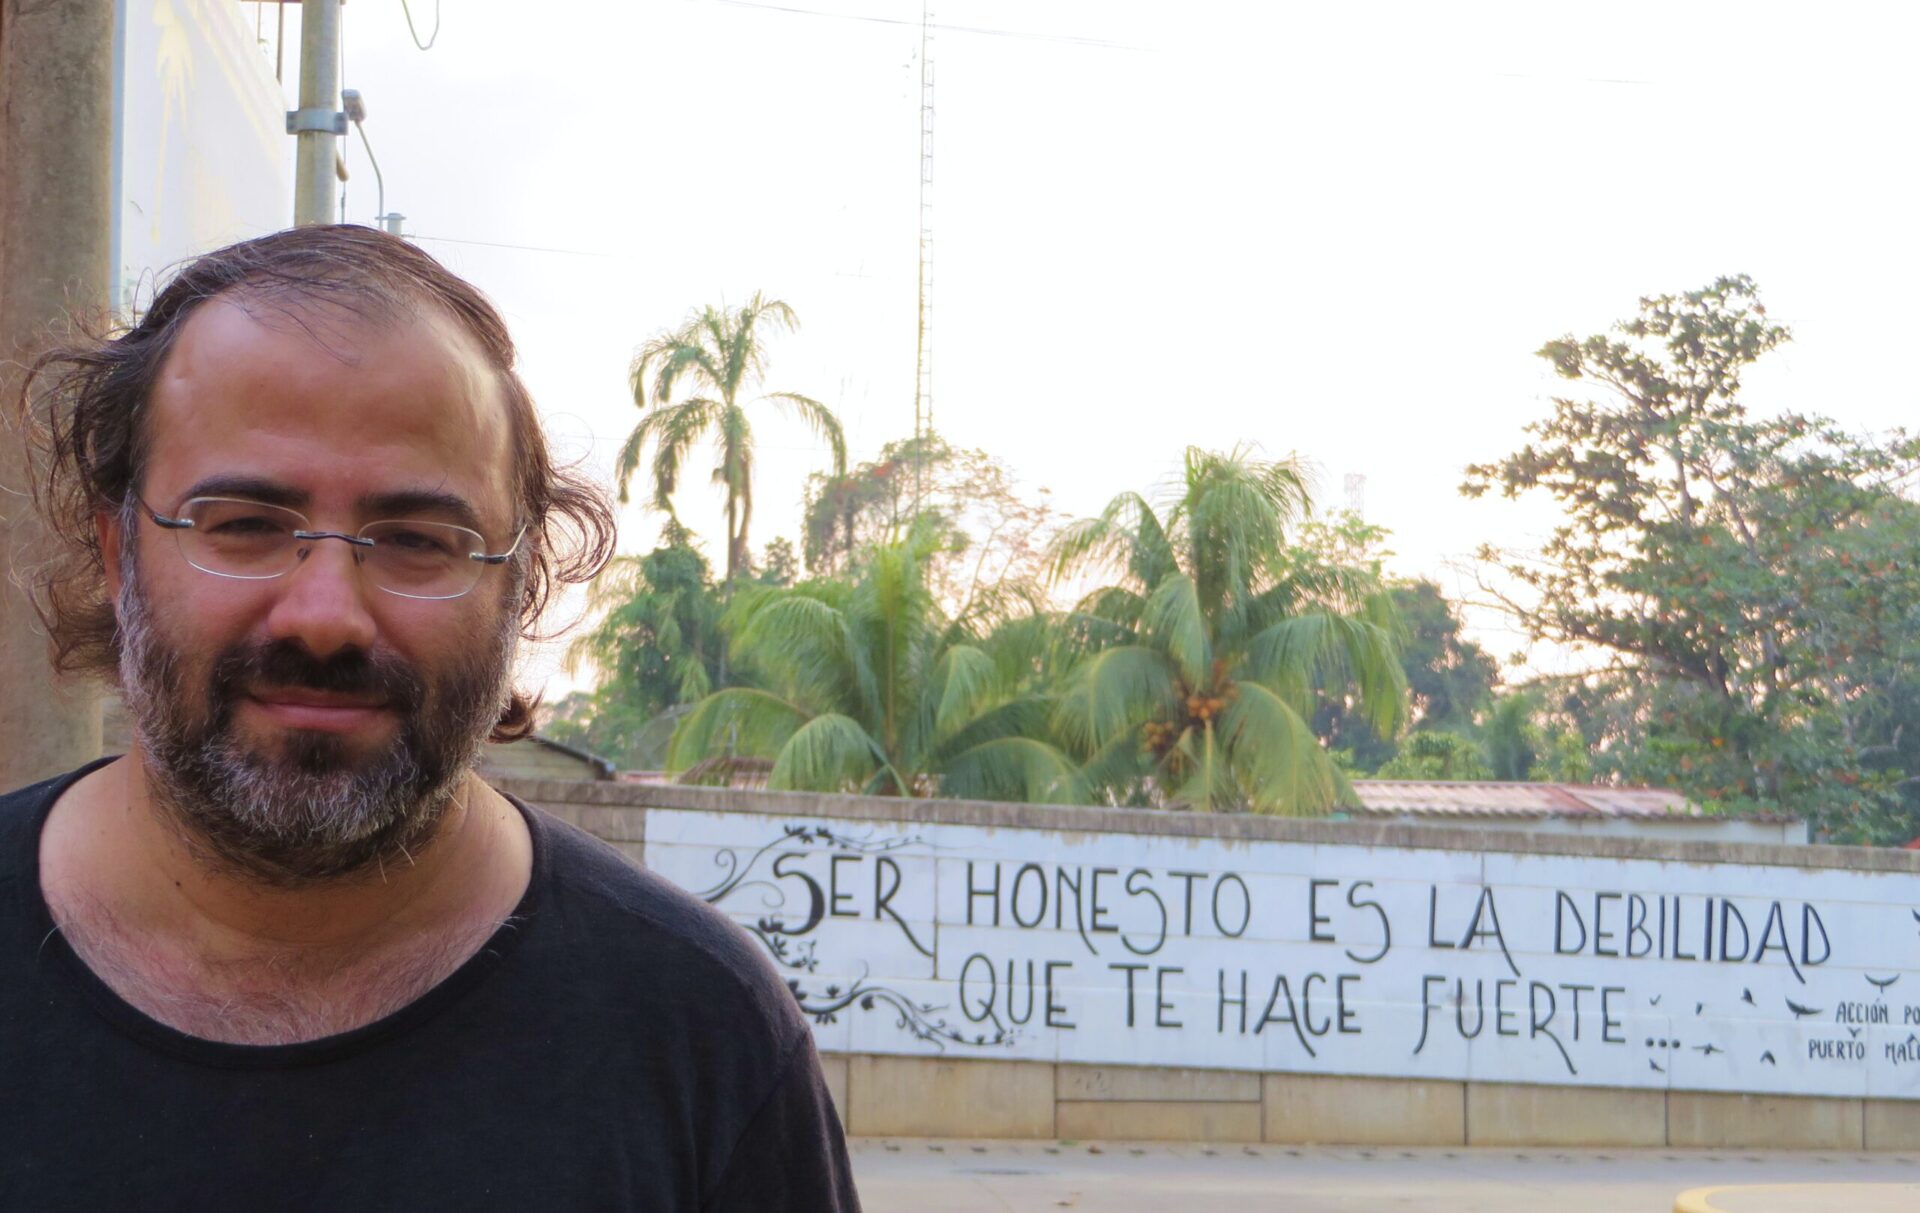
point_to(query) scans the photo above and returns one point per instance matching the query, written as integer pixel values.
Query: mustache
(287, 665)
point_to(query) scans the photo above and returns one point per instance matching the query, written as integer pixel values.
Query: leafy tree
(1205, 657)
(656, 645)
(713, 362)
(986, 534)
(1450, 679)
(779, 566)
(870, 686)
(1747, 579)
(1433, 754)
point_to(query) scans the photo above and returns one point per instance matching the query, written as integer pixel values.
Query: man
(290, 952)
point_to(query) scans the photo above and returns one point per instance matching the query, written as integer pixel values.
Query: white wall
(203, 157)
(931, 938)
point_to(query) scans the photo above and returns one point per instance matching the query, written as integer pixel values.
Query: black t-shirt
(616, 1045)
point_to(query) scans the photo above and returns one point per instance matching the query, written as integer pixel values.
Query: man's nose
(323, 601)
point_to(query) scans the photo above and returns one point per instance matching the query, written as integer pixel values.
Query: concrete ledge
(930, 1097)
(614, 825)
(1515, 1114)
(1892, 1124)
(1158, 1120)
(1363, 1111)
(1236, 826)
(1074, 1082)
(1779, 1122)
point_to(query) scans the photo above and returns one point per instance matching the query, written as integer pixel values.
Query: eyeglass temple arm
(503, 557)
(171, 524)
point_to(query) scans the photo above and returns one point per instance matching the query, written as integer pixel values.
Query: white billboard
(1326, 959)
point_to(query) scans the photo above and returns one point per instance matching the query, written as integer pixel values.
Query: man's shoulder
(21, 812)
(649, 931)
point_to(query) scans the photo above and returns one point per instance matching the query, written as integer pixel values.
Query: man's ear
(106, 527)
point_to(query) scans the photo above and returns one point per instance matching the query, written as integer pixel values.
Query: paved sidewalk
(917, 1176)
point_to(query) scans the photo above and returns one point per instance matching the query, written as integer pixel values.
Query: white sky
(1337, 229)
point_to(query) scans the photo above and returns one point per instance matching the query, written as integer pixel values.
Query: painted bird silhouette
(1880, 983)
(1746, 996)
(1708, 1050)
(1655, 1065)
(1800, 1012)
(1768, 1058)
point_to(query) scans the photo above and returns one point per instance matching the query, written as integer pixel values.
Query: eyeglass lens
(251, 540)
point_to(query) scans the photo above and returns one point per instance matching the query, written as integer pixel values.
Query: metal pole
(56, 219)
(318, 123)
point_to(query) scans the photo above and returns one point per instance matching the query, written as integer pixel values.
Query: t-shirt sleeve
(792, 1157)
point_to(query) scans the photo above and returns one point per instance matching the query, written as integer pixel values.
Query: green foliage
(1450, 679)
(1749, 579)
(871, 686)
(983, 534)
(1433, 754)
(778, 566)
(656, 645)
(693, 383)
(1202, 662)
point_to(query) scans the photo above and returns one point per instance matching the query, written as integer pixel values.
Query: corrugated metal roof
(1470, 798)
(1403, 797)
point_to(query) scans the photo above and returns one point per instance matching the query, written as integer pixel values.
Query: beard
(308, 806)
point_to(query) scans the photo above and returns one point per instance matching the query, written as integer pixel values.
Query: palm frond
(1208, 785)
(1112, 692)
(1026, 716)
(1124, 536)
(736, 722)
(1013, 768)
(1295, 656)
(964, 681)
(800, 642)
(830, 753)
(1280, 762)
(820, 420)
(1174, 620)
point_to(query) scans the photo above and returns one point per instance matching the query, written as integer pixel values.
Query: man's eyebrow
(397, 503)
(403, 503)
(250, 488)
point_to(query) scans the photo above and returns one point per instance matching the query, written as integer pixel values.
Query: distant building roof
(516, 759)
(1489, 798)
(1390, 797)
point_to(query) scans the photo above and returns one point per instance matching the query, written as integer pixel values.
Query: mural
(1147, 950)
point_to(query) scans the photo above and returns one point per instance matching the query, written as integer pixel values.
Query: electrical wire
(431, 38)
(1077, 40)
(379, 181)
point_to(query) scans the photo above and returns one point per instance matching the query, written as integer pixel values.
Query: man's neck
(171, 932)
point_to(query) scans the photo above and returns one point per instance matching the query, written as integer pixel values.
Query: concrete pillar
(56, 214)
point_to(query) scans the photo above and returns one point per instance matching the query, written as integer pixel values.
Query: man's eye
(415, 542)
(248, 525)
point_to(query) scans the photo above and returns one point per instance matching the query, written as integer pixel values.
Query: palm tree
(717, 357)
(1203, 659)
(870, 687)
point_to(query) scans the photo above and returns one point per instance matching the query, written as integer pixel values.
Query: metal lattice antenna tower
(1357, 494)
(923, 346)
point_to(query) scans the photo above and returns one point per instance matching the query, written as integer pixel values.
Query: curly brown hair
(82, 407)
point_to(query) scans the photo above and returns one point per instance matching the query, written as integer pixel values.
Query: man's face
(304, 726)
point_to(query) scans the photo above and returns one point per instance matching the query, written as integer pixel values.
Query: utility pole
(319, 122)
(56, 219)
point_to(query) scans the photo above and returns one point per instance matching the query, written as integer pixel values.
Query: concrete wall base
(949, 1097)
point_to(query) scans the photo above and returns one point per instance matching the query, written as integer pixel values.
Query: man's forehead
(273, 374)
